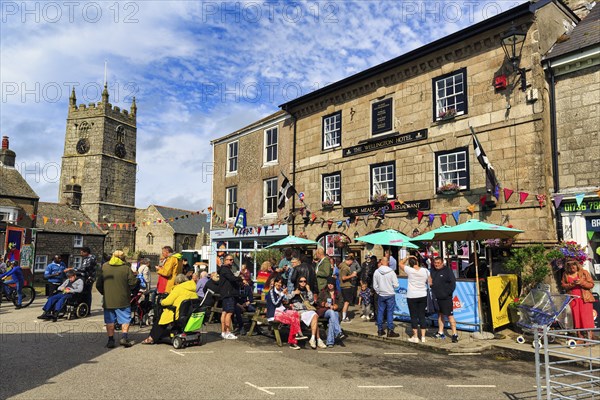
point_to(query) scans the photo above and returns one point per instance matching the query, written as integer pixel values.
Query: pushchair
(540, 308)
(141, 310)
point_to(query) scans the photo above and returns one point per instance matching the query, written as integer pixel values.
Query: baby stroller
(141, 310)
(539, 309)
(186, 328)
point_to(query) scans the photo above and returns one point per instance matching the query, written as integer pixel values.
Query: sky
(198, 71)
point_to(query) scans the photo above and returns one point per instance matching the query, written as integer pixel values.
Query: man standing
(385, 282)
(323, 268)
(443, 284)
(229, 288)
(115, 282)
(172, 267)
(393, 263)
(56, 301)
(54, 274)
(348, 292)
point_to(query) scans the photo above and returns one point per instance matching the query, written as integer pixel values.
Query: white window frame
(234, 157)
(271, 145)
(332, 126)
(332, 190)
(76, 261)
(230, 211)
(452, 174)
(376, 187)
(149, 238)
(442, 101)
(272, 197)
(78, 241)
(41, 262)
(9, 214)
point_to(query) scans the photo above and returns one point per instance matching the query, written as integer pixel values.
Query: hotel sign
(386, 142)
(372, 208)
(381, 116)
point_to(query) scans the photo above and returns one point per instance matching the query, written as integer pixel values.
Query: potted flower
(447, 113)
(379, 197)
(341, 241)
(513, 311)
(567, 250)
(448, 188)
(327, 204)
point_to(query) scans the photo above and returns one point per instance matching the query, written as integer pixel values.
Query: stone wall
(577, 120)
(162, 233)
(50, 244)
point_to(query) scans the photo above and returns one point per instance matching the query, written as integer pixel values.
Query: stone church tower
(98, 172)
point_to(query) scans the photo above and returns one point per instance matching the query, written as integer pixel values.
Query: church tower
(98, 172)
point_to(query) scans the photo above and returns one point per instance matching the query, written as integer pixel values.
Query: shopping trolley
(541, 308)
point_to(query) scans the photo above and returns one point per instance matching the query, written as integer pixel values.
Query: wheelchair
(76, 306)
(185, 331)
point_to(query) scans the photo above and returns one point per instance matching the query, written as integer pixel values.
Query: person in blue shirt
(16, 277)
(55, 273)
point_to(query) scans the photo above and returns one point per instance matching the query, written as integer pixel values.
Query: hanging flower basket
(448, 189)
(379, 197)
(567, 250)
(341, 241)
(446, 114)
(327, 204)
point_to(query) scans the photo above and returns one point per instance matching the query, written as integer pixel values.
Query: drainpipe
(554, 145)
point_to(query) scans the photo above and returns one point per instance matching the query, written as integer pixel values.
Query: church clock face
(120, 150)
(83, 146)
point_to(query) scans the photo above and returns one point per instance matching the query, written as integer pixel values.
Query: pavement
(502, 343)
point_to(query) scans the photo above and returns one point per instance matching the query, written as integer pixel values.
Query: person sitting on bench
(276, 311)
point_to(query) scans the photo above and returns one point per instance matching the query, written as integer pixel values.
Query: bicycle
(9, 292)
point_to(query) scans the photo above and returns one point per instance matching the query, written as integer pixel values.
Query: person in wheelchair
(184, 289)
(57, 301)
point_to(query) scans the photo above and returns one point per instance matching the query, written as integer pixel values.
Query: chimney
(7, 156)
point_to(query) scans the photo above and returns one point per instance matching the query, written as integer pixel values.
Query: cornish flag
(285, 192)
(491, 183)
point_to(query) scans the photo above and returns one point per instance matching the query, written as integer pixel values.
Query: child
(365, 300)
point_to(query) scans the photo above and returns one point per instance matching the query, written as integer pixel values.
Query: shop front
(243, 244)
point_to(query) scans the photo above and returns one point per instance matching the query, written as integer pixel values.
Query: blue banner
(465, 305)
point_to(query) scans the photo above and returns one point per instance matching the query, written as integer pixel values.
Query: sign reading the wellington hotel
(388, 141)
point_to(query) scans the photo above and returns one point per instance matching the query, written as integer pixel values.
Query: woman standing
(416, 295)
(578, 282)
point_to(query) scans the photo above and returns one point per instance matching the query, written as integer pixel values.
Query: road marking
(334, 352)
(380, 387)
(402, 354)
(286, 387)
(178, 353)
(471, 386)
(259, 388)
(464, 354)
(263, 351)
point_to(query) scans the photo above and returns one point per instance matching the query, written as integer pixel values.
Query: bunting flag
(393, 204)
(471, 208)
(366, 219)
(507, 194)
(590, 234)
(523, 196)
(598, 193)
(348, 222)
(339, 223)
(456, 215)
(285, 192)
(558, 198)
(419, 216)
(431, 218)
(382, 212)
(490, 175)
(579, 198)
(258, 229)
(45, 220)
(497, 192)
(443, 218)
(541, 198)
(482, 200)
(329, 224)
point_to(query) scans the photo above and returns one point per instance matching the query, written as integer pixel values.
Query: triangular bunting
(329, 224)
(45, 220)
(339, 223)
(443, 218)
(431, 218)
(579, 198)
(419, 216)
(366, 219)
(523, 196)
(482, 200)
(393, 204)
(471, 208)
(590, 234)
(456, 215)
(507, 194)
(558, 198)
(497, 192)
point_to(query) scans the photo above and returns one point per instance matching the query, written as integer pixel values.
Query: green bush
(532, 263)
(266, 255)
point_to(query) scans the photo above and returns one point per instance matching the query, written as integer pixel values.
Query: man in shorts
(348, 291)
(115, 282)
(443, 284)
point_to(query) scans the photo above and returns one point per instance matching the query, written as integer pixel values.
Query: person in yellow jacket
(184, 289)
(172, 267)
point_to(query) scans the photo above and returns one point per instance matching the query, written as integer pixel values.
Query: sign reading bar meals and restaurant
(371, 208)
(385, 142)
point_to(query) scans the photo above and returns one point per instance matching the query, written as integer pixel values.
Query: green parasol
(292, 241)
(388, 237)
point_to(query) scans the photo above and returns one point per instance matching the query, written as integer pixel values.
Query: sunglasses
(302, 281)
(229, 259)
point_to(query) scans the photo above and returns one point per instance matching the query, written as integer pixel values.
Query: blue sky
(198, 70)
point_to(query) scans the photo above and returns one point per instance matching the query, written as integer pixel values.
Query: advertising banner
(502, 290)
(14, 242)
(464, 300)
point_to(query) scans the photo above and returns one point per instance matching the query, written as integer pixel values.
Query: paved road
(45, 360)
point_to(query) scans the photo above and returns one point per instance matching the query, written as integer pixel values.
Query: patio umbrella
(292, 241)
(388, 237)
(429, 236)
(473, 230)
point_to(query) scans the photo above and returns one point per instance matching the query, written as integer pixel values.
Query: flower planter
(448, 192)
(327, 207)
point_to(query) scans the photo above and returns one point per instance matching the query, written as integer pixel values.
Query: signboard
(502, 290)
(592, 224)
(381, 116)
(13, 243)
(373, 145)
(372, 208)
(464, 301)
(586, 206)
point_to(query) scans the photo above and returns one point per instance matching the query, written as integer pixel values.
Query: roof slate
(584, 35)
(12, 184)
(192, 225)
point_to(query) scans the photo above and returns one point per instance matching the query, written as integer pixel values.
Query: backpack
(140, 277)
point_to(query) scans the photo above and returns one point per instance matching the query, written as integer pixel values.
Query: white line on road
(380, 387)
(259, 388)
(402, 354)
(334, 352)
(263, 351)
(178, 353)
(471, 386)
(464, 354)
(286, 387)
